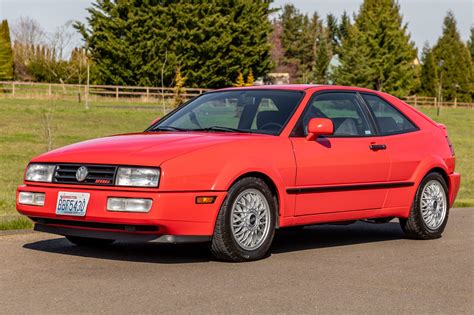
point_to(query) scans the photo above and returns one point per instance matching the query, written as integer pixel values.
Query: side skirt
(401, 212)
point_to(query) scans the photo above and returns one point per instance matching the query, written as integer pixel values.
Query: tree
(239, 82)
(277, 53)
(209, 41)
(307, 48)
(27, 34)
(250, 79)
(344, 26)
(381, 56)
(6, 54)
(322, 59)
(179, 89)
(454, 63)
(28, 31)
(470, 43)
(332, 31)
(292, 23)
(429, 73)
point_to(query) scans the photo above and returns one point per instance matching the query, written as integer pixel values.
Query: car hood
(146, 149)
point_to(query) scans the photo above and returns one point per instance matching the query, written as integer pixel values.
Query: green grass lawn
(22, 136)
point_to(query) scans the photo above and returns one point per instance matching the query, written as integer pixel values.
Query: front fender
(216, 168)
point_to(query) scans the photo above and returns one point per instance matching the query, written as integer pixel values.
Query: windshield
(254, 111)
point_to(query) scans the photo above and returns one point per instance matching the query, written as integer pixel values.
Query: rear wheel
(88, 241)
(430, 209)
(245, 225)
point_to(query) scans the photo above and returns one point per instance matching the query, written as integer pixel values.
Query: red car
(232, 166)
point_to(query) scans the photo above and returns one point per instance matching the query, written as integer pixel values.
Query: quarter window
(389, 120)
(344, 111)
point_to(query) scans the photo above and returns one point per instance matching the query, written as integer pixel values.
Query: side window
(344, 111)
(389, 120)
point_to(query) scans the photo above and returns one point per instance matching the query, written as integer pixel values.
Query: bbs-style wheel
(245, 225)
(430, 209)
(88, 241)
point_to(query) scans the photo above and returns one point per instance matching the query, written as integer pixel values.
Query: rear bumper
(454, 183)
(172, 214)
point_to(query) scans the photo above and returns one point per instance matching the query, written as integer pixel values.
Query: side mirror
(155, 121)
(319, 127)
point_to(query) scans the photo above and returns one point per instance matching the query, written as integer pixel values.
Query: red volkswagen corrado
(233, 165)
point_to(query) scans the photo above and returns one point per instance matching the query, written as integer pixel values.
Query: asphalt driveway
(360, 268)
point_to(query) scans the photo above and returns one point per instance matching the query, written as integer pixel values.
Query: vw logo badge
(81, 173)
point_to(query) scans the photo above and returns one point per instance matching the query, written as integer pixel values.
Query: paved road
(361, 268)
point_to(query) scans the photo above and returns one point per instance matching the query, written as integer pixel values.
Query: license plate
(72, 203)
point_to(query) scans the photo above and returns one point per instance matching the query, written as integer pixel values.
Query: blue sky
(424, 17)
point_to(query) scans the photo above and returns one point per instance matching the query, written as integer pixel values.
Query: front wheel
(245, 225)
(430, 209)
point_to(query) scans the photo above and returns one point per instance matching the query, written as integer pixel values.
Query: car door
(403, 143)
(342, 172)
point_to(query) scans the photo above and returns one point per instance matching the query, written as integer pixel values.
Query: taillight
(450, 144)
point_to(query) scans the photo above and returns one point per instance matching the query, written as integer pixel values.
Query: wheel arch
(270, 183)
(443, 173)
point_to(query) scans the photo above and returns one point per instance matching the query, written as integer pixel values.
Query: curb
(15, 232)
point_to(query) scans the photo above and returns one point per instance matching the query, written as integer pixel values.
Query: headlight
(40, 172)
(140, 177)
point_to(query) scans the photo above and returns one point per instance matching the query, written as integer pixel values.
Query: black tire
(414, 226)
(223, 245)
(88, 241)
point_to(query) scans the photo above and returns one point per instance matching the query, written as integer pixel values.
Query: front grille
(97, 174)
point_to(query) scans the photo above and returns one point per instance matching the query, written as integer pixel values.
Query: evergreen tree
(323, 57)
(344, 26)
(292, 40)
(250, 79)
(333, 31)
(454, 63)
(6, 54)
(429, 73)
(380, 56)
(240, 80)
(301, 40)
(132, 42)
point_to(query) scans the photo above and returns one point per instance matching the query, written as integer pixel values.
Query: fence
(143, 94)
(415, 100)
(91, 92)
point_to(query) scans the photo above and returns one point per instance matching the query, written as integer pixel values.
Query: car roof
(297, 87)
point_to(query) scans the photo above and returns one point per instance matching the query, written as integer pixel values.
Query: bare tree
(59, 43)
(47, 115)
(28, 31)
(27, 35)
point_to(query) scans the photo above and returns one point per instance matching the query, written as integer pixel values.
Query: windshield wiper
(168, 128)
(212, 128)
(220, 128)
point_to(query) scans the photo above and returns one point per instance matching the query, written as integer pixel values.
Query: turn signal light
(205, 199)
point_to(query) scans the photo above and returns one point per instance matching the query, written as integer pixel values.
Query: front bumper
(121, 236)
(172, 214)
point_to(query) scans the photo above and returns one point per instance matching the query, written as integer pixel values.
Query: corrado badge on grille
(81, 173)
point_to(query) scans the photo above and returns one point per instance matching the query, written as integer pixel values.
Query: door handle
(377, 147)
